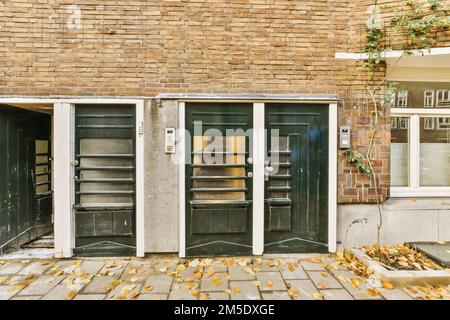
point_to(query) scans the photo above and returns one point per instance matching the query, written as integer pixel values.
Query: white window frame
(426, 99)
(414, 189)
(63, 188)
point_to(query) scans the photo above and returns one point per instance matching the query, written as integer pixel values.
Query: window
(420, 140)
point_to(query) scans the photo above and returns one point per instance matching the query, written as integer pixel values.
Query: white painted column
(414, 151)
(332, 177)
(258, 178)
(63, 172)
(140, 173)
(181, 176)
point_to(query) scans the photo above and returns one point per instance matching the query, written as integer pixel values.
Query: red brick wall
(141, 48)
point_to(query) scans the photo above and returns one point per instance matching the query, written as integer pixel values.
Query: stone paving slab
(297, 273)
(238, 273)
(37, 267)
(12, 268)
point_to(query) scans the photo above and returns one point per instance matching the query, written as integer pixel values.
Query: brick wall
(141, 48)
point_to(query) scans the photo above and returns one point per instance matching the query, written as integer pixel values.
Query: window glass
(422, 95)
(399, 151)
(435, 151)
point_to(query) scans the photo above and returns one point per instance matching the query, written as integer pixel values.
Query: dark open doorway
(26, 204)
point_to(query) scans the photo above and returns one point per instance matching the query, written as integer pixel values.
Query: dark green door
(104, 180)
(218, 187)
(296, 199)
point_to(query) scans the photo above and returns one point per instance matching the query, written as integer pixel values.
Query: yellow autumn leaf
(133, 271)
(292, 292)
(324, 274)
(269, 284)
(190, 285)
(237, 290)
(258, 260)
(45, 263)
(228, 291)
(18, 287)
(321, 285)
(70, 295)
(355, 283)
(217, 282)
(29, 277)
(205, 297)
(256, 283)
(314, 260)
(387, 285)
(134, 295)
(163, 269)
(226, 276)
(113, 284)
(148, 288)
(291, 267)
(373, 292)
(196, 293)
(198, 275)
(318, 296)
(256, 269)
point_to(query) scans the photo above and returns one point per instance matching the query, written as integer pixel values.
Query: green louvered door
(296, 186)
(218, 187)
(104, 180)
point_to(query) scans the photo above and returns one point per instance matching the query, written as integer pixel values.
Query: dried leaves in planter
(356, 266)
(400, 257)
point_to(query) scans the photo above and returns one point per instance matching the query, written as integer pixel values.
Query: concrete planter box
(403, 277)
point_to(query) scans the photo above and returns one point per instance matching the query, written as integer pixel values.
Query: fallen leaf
(217, 282)
(228, 291)
(292, 292)
(387, 285)
(258, 260)
(237, 290)
(314, 260)
(133, 271)
(113, 284)
(25, 261)
(226, 276)
(45, 263)
(29, 277)
(318, 296)
(134, 280)
(269, 284)
(373, 292)
(321, 285)
(256, 283)
(324, 274)
(355, 283)
(205, 297)
(4, 280)
(198, 275)
(196, 293)
(148, 288)
(70, 295)
(190, 285)
(110, 265)
(291, 267)
(18, 287)
(134, 295)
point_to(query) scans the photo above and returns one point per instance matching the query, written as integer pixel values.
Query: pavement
(162, 277)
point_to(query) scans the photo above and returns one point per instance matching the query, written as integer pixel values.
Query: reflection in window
(443, 98)
(402, 99)
(435, 153)
(399, 151)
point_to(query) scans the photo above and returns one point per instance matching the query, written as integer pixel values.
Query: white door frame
(258, 172)
(63, 122)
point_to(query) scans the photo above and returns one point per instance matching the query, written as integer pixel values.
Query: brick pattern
(141, 48)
